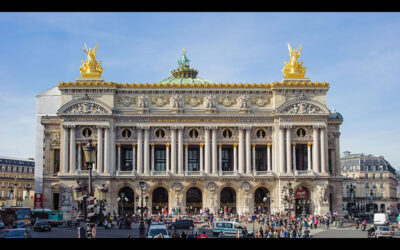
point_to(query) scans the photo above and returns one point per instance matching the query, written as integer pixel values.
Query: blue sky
(357, 53)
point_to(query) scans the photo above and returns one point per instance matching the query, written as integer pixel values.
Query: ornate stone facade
(198, 144)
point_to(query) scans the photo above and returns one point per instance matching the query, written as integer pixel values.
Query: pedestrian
(129, 235)
(261, 233)
(202, 236)
(183, 235)
(175, 235)
(190, 235)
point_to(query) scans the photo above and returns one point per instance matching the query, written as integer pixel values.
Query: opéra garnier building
(196, 144)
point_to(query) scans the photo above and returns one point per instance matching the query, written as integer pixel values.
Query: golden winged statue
(294, 68)
(91, 68)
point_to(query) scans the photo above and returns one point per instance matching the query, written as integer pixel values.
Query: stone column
(254, 158)
(106, 150)
(119, 157)
(146, 155)
(64, 150)
(324, 151)
(79, 156)
(207, 151)
(281, 150)
(72, 144)
(201, 158)
(309, 166)
(315, 153)
(167, 158)
(289, 169)
(235, 163)
(214, 152)
(269, 157)
(241, 151)
(294, 155)
(180, 151)
(248, 151)
(113, 149)
(186, 157)
(337, 154)
(173, 151)
(152, 157)
(139, 151)
(133, 159)
(99, 150)
(220, 158)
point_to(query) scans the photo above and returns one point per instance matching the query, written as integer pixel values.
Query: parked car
(42, 226)
(19, 224)
(229, 229)
(156, 229)
(2, 225)
(182, 224)
(18, 233)
(383, 232)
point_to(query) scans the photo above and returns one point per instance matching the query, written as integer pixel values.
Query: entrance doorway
(228, 200)
(302, 196)
(126, 201)
(159, 200)
(193, 200)
(262, 201)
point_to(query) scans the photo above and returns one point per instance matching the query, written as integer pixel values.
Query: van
(228, 229)
(156, 229)
(381, 219)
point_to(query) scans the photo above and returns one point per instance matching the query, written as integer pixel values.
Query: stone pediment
(300, 107)
(85, 106)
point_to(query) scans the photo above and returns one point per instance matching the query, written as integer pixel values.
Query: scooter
(356, 225)
(363, 227)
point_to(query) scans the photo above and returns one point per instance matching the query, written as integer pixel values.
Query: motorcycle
(356, 225)
(363, 227)
(371, 235)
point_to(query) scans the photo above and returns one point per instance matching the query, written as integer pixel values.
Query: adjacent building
(16, 180)
(195, 143)
(374, 182)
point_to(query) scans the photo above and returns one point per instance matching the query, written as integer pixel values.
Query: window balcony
(227, 173)
(263, 173)
(302, 172)
(193, 173)
(159, 173)
(124, 173)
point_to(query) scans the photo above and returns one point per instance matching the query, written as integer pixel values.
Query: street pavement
(347, 231)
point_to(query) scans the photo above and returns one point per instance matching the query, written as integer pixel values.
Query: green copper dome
(184, 74)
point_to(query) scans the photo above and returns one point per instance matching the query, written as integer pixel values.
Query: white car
(229, 228)
(381, 219)
(156, 229)
(383, 231)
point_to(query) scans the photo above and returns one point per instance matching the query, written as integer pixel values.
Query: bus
(11, 214)
(54, 217)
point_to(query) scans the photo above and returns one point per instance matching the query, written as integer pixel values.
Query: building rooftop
(17, 161)
(363, 162)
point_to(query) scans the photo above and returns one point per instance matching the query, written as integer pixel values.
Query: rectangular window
(56, 161)
(160, 159)
(193, 159)
(227, 159)
(260, 161)
(126, 159)
(367, 185)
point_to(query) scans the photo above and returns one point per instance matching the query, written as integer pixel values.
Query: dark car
(2, 225)
(19, 224)
(42, 226)
(182, 224)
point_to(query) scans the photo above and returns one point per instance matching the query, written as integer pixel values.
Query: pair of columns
(71, 152)
(317, 160)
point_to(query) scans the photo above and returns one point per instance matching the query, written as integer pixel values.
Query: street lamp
(268, 199)
(351, 189)
(141, 226)
(304, 202)
(371, 200)
(102, 199)
(11, 195)
(28, 189)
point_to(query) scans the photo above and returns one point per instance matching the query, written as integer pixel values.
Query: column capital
(211, 127)
(245, 127)
(309, 144)
(253, 145)
(152, 145)
(220, 145)
(118, 144)
(201, 145)
(133, 145)
(79, 144)
(167, 145)
(285, 126)
(293, 144)
(269, 145)
(319, 126)
(186, 145)
(235, 145)
(94, 143)
(68, 125)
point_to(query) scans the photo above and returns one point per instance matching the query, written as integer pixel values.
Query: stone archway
(126, 200)
(228, 199)
(262, 200)
(194, 200)
(302, 200)
(159, 200)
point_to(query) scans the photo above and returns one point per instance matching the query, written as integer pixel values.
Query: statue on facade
(210, 103)
(244, 103)
(143, 103)
(294, 68)
(323, 194)
(91, 68)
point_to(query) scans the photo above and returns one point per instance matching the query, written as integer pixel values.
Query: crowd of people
(270, 225)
